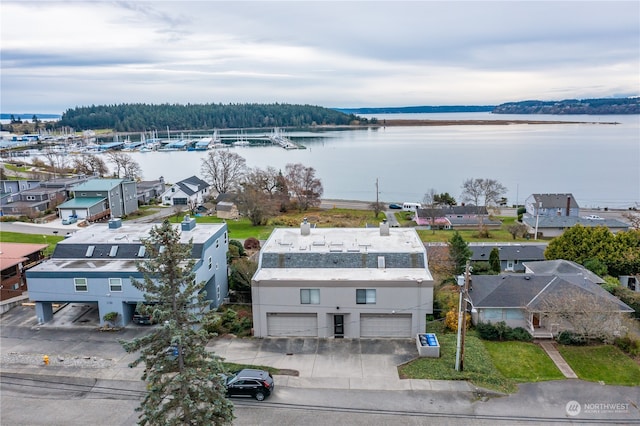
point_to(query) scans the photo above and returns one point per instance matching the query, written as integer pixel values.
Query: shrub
(252, 243)
(487, 331)
(628, 344)
(571, 338)
(230, 321)
(239, 245)
(501, 331)
(519, 334)
(629, 297)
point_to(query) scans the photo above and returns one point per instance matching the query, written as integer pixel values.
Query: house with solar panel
(342, 282)
(96, 265)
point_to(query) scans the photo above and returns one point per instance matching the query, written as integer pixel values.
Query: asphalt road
(108, 393)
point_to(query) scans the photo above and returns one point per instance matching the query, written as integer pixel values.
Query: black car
(248, 382)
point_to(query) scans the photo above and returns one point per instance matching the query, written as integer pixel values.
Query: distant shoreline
(409, 122)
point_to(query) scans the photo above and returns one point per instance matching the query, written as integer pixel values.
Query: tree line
(147, 117)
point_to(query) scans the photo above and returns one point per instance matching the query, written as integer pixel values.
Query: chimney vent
(568, 204)
(384, 228)
(188, 223)
(305, 227)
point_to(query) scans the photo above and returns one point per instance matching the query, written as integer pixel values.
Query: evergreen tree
(459, 252)
(183, 379)
(494, 260)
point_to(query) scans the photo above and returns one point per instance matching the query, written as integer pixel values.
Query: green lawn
(478, 365)
(603, 363)
(522, 362)
(15, 237)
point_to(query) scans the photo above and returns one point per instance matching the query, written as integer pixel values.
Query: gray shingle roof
(193, 181)
(521, 252)
(555, 200)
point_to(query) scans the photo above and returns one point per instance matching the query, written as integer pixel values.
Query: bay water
(598, 162)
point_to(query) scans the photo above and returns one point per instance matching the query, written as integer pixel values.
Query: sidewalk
(550, 348)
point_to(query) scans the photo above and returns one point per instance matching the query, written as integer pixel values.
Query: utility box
(428, 346)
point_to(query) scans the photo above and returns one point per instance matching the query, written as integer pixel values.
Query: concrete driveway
(332, 363)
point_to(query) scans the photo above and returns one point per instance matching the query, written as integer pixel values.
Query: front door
(338, 326)
(536, 320)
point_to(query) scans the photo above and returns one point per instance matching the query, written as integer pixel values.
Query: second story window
(80, 284)
(115, 284)
(366, 296)
(310, 296)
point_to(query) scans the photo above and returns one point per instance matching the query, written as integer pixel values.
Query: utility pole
(463, 283)
(465, 292)
(377, 193)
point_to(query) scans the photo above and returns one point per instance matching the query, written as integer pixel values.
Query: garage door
(292, 325)
(385, 325)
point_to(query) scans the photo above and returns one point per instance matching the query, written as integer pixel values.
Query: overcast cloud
(58, 55)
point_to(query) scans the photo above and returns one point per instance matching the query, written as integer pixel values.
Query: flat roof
(326, 240)
(133, 233)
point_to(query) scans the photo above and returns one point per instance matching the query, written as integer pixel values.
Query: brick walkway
(550, 349)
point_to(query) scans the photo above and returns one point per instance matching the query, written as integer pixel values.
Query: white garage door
(385, 325)
(292, 325)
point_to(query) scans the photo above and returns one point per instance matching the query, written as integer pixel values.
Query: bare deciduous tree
(259, 197)
(432, 207)
(223, 169)
(57, 160)
(633, 218)
(483, 192)
(125, 165)
(89, 164)
(303, 185)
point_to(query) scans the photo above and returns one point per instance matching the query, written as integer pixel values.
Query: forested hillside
(572, 106)
(144, 117)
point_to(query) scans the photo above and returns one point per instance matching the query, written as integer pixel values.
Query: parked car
(395, 206)
(69, 220)
(593, 217)
(249, 382)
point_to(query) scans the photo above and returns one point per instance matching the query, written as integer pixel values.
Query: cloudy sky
(58, 55)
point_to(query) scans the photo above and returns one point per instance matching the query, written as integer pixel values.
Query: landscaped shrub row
(501, 331)
(628, 344)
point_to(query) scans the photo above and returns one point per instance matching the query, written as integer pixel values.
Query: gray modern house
(342, 282)
(96, 265)
(101, 198)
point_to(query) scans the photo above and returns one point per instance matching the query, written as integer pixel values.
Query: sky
(59, 55)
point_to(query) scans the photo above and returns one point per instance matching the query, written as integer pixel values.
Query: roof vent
(384, 228)
(188, 223)
(305, 227)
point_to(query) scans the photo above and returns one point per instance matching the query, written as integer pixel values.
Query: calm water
(599, 163)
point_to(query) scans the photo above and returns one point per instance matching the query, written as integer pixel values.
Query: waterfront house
(96, 265)
(554, 226)
(98, 199)
(550, 205)
(342, 282)
(455, 217)
(148, 190)
(190, 192)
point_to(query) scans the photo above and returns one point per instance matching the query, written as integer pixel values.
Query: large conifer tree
(183, 381)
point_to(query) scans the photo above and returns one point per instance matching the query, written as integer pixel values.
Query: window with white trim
(310, 296)
(366, 296)
(115, 284)
(80, 284)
